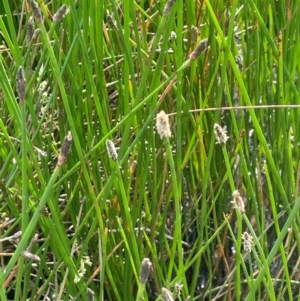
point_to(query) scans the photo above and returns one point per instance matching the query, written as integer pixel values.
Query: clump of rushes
(111, 149)
(30, 30)
(162, 125)
(65, 150)
(60, 14)
(202, 46)
(221, 134)
(21, 84)
(36, 11)
(168, 7)
(146, 268)
(238, 202)
(247, 242)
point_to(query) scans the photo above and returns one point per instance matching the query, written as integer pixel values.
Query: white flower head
(162, 125)
(247, 242)
(111, 149)
(238, 202)
(221, 134)
(82, 270)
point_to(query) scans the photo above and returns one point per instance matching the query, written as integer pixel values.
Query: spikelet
(85, 260)
(21, 84)
(111, 149)
(30, 30)
(162, 125)
(36, 11)
(238, 202)
(65, 150)
(60, 14)
(199, 49)
(146, 268)
(31, 256)
(90, 294)
(36, 34)
(220, 134)
(168, 7)
(32, 242)
(247, 242)
(167, 294)
(17, 235)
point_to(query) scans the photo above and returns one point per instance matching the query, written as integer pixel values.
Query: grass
(103, 72)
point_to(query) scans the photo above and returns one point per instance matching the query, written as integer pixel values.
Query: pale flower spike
(167, 295)
(59, 15)
(162, 125)
(238, 202)
(146, 268)
(111, 150)
(221, 134)
(247, 242)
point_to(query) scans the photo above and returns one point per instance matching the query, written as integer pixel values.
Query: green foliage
(103, 71)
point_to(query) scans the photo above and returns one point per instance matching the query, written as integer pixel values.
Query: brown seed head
(168, 7)
(36, 11)
(30, 30)
(59, 15)
(36, 34)
(65, 150)
(21, 84)
(199, 49)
